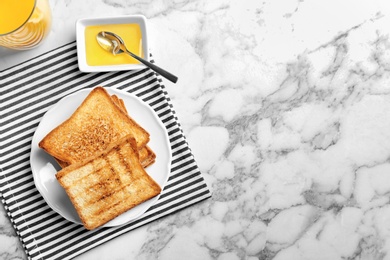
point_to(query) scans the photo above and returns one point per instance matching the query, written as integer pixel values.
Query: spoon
(111, 42)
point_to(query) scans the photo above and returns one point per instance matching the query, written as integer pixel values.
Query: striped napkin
(28, 90)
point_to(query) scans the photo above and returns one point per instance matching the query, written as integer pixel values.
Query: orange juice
(97, 56)
(24, 24)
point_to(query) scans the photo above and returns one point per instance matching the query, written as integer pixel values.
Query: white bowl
(81, 24)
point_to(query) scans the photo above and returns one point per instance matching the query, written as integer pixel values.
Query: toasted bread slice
(146, 154)
(96, 123)
(108, 184)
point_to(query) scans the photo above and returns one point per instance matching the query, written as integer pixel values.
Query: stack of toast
(103, 153)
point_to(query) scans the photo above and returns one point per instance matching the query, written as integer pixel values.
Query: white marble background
(286, 106)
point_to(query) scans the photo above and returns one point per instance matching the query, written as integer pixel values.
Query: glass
(24, 24)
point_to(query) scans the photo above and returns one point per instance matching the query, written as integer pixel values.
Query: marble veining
(286, 106)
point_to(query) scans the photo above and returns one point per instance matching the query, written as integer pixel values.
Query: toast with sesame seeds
(95, 124)
(146, 154)
(108, 184)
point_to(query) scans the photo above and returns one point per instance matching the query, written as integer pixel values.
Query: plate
(81, 24)
(44, 167)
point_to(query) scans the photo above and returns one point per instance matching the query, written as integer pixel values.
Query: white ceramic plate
(44, 167)
(81, 24)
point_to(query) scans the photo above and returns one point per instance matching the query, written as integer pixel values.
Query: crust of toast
(108, 184)
(95, 124)
(146, 154)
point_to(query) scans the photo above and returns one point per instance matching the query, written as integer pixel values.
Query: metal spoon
(113, 43)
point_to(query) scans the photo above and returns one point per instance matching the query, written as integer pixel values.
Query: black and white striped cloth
(28, 90)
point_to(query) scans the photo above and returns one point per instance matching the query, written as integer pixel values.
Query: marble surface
(286, 106)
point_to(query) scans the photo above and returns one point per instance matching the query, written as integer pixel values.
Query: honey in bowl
(97, 56)
(24, 24)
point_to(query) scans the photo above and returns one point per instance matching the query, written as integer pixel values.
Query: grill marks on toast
(103, 180)
(110, 180)
(109, 184)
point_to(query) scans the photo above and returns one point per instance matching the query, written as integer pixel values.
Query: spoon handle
(157, 69)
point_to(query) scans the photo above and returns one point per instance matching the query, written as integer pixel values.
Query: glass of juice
(24, 24)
